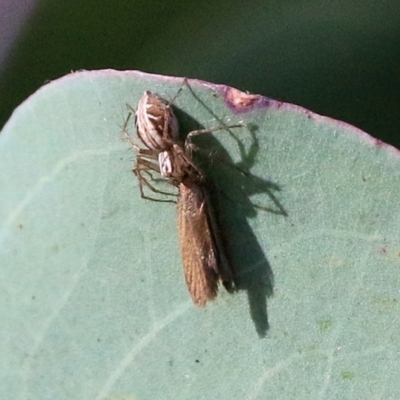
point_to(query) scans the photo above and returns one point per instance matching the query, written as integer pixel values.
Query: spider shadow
(231, 189)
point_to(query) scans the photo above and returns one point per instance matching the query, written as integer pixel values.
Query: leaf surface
(93, 299)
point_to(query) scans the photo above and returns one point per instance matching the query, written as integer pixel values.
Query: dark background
(337, 58)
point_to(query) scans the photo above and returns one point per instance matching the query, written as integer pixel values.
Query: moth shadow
(231, 199)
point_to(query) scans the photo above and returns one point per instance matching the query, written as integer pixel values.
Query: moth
(204, 258)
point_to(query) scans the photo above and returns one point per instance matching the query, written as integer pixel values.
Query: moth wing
(199, 259)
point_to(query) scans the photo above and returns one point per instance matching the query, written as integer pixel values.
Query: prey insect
(204, 259)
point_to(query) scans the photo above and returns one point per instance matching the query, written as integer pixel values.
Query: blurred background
(337, 58)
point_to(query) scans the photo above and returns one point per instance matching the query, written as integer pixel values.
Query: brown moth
(203, 255)
(199, 253)
(203, 252)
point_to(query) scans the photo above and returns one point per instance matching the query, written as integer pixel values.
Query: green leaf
(93, 299)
